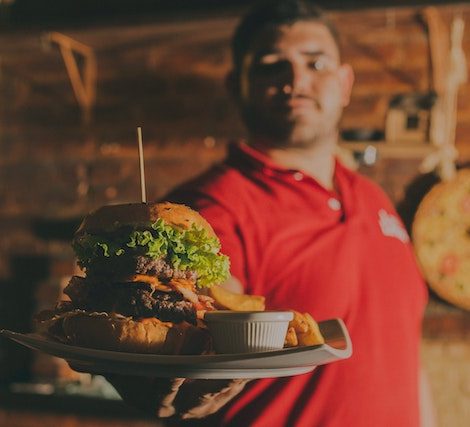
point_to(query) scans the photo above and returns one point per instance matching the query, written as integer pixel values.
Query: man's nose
(299, 79)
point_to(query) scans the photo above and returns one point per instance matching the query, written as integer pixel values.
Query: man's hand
(177, 397)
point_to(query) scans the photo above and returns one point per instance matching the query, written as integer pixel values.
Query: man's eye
(317, 64)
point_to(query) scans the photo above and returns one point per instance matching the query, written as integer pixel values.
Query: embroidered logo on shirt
(392, 227)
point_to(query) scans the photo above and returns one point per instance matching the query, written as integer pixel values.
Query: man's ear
(346, 75)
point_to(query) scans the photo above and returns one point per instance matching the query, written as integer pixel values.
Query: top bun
(111, 217)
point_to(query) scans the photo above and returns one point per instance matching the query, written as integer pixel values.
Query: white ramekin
(247, 331)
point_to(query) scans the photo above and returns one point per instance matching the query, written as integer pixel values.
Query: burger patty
(115, 268)
(133, 299)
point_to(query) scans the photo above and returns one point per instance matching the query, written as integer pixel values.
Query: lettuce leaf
(192, 249)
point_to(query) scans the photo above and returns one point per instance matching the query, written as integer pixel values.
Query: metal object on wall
(84, 86)
(408, 118)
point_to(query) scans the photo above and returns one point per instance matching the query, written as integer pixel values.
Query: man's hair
(270, 14)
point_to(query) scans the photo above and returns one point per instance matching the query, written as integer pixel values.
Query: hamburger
(146, 266)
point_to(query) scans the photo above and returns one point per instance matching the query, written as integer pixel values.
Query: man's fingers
(166, 408)
(197, 399)
(177, 397)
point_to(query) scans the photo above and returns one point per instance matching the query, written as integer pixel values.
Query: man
(310, 234)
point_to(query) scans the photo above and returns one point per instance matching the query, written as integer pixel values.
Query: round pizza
(441, 237)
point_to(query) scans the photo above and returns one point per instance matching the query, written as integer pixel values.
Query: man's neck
(316, 161)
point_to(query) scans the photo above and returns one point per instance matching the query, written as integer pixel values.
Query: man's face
(293, 87)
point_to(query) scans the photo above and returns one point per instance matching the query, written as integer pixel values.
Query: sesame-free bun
(110, 217)
(117, 333)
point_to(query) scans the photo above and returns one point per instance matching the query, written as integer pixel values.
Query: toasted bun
(108, 218)
(116, 333)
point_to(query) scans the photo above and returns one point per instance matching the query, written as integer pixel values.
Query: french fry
(227, 300)
(291, 338)
(299, 323)
(303, 331)
(313, 335)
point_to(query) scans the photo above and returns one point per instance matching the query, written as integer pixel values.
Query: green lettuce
(190, 249)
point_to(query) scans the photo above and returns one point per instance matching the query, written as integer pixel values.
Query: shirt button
(298, 176)
(334, 204)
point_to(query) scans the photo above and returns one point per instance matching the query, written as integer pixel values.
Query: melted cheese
(152, 281)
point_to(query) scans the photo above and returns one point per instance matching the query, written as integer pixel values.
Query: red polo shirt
(333, 254)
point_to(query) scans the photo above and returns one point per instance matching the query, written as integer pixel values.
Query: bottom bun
(109, 332)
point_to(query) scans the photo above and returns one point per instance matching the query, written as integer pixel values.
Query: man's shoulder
(367, 184)
(218, 179)
(363, 181)
(221, 184)
(366, 188)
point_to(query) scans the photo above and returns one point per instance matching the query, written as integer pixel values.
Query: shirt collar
(242, 156)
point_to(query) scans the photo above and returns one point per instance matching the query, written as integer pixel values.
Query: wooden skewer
(141, 163)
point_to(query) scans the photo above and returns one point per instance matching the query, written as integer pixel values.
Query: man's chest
(326, 265)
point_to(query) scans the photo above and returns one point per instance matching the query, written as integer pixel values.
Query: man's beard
(283, 133)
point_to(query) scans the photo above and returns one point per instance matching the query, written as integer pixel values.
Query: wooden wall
(169, 78)
(390, 52)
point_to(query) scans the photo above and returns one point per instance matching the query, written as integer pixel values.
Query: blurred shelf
(390, 150)
(36, 410)
(444, 321)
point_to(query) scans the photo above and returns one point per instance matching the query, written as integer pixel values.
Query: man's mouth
(297, 103)
(301, 102)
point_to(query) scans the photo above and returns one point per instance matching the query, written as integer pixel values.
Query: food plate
(276, 363)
